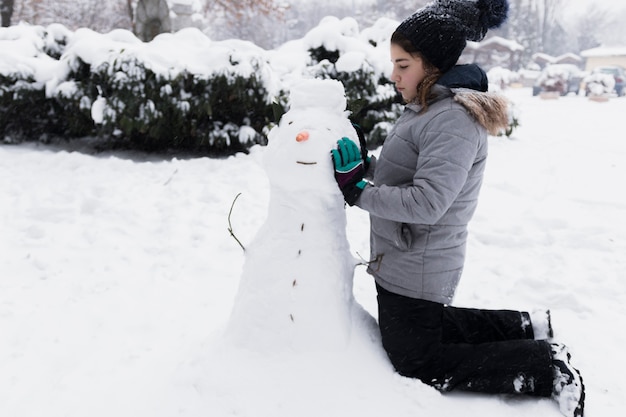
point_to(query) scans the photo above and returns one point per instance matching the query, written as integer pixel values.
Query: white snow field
(118, 276)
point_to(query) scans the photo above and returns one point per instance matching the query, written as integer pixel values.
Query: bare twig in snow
(230, 226)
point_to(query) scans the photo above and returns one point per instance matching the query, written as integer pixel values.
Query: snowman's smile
(306, 163)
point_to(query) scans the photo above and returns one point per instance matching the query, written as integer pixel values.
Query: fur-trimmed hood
(489, 109)
(469, 85)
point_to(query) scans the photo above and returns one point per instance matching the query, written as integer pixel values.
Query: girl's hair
(424, 89)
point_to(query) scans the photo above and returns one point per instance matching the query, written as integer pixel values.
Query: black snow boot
(568, 390)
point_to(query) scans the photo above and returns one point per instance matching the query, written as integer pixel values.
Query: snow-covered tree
(94, 14)
(586, 27)
(597, 26)
(397, 9)
(151, 18)
(240, 8)
(258, 21)
(534, 24)
(6, 11)
(549, 12)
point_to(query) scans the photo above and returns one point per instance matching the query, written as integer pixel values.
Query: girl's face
(408, 72)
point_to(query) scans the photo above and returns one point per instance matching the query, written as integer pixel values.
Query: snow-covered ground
(118, 275)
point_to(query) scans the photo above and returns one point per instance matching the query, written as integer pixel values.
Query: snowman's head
(298, 153)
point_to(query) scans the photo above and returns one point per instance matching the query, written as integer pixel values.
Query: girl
(423, 193)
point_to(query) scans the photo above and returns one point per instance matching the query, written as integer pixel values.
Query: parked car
(619, 75)
(560, 78)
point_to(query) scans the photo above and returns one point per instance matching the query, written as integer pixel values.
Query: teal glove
(349, 170)
(347, 151)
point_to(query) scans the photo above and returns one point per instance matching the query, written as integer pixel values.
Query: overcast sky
(581, 5)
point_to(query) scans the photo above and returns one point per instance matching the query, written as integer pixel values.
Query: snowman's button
(302, 136)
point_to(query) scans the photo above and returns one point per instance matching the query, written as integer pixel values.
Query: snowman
(295, 291)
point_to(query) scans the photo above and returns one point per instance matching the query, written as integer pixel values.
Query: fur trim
(489, 109)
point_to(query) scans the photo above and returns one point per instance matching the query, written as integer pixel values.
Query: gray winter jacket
(425, 190)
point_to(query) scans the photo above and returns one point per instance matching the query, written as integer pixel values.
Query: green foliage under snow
(180, 92)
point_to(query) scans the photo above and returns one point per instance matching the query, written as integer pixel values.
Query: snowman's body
(306, 302)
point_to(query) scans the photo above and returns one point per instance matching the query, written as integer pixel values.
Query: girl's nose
(302, 136)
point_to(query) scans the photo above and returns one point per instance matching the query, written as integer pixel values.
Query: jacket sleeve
(447, 150)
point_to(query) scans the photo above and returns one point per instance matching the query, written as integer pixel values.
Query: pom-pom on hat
(440, 30)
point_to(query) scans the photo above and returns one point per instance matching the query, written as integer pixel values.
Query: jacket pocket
(398, 235)
(406, 237)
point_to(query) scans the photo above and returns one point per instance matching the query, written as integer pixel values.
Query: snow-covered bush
(554, 81)
(183, 90)
(27, 56)
(598, 84)
(336, 49)
(514, 116)
(180, 91)
(151, 111)
(23, 107)
(499, 79)
(502, 78)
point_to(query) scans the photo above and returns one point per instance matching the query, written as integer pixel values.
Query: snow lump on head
(298, 153)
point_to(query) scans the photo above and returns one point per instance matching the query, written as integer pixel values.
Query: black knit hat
(440, 29)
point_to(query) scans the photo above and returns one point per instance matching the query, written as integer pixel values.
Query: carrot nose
(302, 136)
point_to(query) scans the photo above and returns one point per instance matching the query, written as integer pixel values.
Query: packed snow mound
(328, 94)
(306, 303)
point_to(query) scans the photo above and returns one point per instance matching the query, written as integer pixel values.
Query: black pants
(490, 351)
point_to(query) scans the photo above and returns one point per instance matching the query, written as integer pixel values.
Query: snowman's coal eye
(291, 122)
(328, 128)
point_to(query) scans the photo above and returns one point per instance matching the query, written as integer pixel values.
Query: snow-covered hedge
(182, 90)
(179, 91)
(27, 58)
